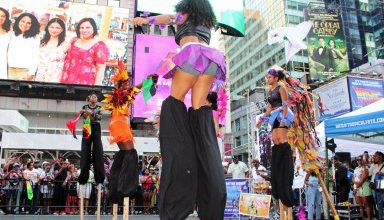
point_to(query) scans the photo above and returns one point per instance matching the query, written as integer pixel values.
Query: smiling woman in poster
(87, 56)
(5, 25)
(53, 48)
(23, 50)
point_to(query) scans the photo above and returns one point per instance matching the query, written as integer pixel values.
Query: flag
(71, 125)
(149, 87)
(87, 127)
(292, 36)
(29, 191)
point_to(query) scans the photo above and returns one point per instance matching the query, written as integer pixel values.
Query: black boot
(282, 171)
(178, 184)
(124, 176)
(211, 192)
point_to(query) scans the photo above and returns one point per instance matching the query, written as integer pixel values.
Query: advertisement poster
(28, 58)
(365, 91)
(334, 98)
(234, 188)
(255, 205)
(327, 50)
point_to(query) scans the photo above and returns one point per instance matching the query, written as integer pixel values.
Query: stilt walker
(124, 175)
(192, 172)
(291, 131)
(91, 146)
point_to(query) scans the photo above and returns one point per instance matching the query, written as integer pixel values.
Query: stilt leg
(114, 211)
(98, 201)
(126, 208)
(81, 196)
(282, 210)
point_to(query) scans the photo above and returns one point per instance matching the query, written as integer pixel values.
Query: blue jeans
(379, 200)
(314, 199)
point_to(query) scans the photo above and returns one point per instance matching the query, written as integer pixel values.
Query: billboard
(364, 91)
(229, 16)
(72, 61)
(335, 99)
(327, 50)
(150, 51)
(234, 188)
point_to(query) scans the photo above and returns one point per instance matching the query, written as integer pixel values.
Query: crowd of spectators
(51, 187)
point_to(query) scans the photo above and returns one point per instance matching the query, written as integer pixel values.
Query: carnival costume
(191, 172)
(301, 135)
(124, 171)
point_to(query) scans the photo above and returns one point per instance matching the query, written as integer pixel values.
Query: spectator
(342, 186)
(87, 188)
(72, 199)
(14, 188)
(377, 171)
(314, 196)
(238, 169)
(60, 192)
(46, 187)
(31, 176)
(147, 183)
(361, 187)
(259, 172)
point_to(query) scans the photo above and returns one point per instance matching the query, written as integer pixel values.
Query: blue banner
(364, 91)
(234, 188)
(355, 124)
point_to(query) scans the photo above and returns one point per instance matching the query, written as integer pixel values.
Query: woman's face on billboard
(2, 18)
(86, 30)
(25, 24)
(55, 29)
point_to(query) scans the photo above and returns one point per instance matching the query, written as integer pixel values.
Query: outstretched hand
(139, 21)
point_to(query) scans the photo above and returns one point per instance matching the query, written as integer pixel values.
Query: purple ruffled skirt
(198, 56)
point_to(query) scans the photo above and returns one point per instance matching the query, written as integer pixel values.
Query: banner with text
(234, 188)
(334, 99)
(364, 91)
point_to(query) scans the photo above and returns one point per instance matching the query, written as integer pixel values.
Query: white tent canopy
(354, 147)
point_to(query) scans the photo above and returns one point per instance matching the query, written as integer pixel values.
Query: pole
(81, 202)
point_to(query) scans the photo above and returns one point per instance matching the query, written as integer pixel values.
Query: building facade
(250, 57)
(363, 23)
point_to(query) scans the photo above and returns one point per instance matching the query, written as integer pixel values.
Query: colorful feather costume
(124, 171)
(120, 100)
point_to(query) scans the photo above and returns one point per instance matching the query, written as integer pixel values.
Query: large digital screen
(85, 60)
(229, 13)
(150, 51)
(327, 49)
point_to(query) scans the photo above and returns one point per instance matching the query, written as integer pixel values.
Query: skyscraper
(363, 23)
(250, 57)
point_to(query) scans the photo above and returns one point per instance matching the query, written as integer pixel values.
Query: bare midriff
(191, 38)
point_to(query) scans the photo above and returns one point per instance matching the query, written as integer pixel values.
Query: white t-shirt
(32, 175)
(238, 170)
(374, 169)
(261, 170)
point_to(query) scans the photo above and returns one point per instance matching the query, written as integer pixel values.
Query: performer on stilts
(124, 174)
(91, 146)
(192, 172)
(280, 117)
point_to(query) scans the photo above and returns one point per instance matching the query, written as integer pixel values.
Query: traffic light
(330, 145)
